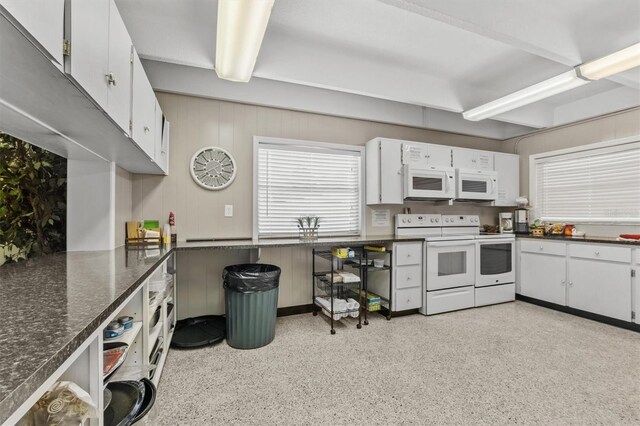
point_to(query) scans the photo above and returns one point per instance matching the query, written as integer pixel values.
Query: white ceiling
(439, 55)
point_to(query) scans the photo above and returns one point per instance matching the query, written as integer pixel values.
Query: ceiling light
(241, 27)
(619, 61)
(544, 89)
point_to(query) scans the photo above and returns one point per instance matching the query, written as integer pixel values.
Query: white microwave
(431, 183)
(476, 185)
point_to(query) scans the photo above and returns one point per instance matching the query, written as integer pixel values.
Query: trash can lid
(251, 277)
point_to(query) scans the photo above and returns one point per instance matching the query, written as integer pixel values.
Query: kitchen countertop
(50, 305)
(585, 239)
(290, 242)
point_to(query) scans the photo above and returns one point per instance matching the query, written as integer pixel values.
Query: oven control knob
(431, 220)
(437, 220)
(404, 220)
(446, 220)
(409, 220)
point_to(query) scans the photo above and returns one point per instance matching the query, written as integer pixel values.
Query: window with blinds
(591, 186)
(296, 180)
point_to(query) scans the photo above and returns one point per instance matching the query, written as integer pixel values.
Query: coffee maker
(505, 223)
(521, 225)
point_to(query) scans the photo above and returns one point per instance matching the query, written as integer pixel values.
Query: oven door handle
(458, 243)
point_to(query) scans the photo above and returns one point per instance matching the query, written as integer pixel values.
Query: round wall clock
(213, 168)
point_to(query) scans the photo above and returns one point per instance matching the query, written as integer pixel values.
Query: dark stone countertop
(585, 239)
(52, 304)
(291, 242)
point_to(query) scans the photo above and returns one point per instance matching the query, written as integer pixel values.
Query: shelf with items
(335, 290)
(379, 253)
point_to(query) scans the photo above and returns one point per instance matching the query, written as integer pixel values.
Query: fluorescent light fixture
(241, 27)
(614, 63)
(544, 89)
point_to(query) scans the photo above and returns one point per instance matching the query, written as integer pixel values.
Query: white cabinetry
(595, 278)
(161, 140)
(100, 57)
(424, 155)
(43, 20)
(384, 171)
(508, 168)
(143, 110)
(119, 66)
(543, 270)
(407, 276)
(88, 33)
(472, 159)
(600, 280)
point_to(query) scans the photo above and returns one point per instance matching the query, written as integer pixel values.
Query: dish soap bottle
(172, 225)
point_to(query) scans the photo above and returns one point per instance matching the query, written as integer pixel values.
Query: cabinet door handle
(562, 282)
(541, 248)
(111, 79)
(409, 278)
(597, 253)
(146, 129)
(570, 283)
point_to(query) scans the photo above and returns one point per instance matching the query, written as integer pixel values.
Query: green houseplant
(33, 189)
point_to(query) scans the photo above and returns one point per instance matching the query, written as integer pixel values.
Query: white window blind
(598, 185)
(294, 181)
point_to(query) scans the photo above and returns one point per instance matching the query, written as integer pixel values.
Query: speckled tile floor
(514, 363)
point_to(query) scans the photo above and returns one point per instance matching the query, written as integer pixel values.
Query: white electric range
(463, 268)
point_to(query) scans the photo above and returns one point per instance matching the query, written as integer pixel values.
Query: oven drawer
(408, 276)
(450, 300)
(407, 298)
(495, 294)
(543, 247)
(600, 252)
(408, 253)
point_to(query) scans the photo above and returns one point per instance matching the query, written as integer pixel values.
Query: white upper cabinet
(472, 159)
(118, 77)
(508, 168)
(384, 171)
(161, 140)
(423, 155)
(44, 22)
(143, 110)
(88, 33)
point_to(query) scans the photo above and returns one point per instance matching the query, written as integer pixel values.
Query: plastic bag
(65, 404)
(251, 277)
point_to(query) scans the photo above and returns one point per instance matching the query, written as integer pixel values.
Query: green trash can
(251, 304)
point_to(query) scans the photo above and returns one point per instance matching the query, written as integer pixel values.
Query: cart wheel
(388, 317)
(315, 313)
(359, 325)
(366, 322)
(333, 331)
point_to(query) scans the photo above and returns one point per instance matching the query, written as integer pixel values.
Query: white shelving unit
(85, 366)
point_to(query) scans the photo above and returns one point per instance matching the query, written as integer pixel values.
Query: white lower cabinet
(406, 277)
(543, 276)
(600, 286)
(595, 278)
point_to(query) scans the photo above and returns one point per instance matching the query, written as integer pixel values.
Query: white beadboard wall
(199, 122)
(614, 126)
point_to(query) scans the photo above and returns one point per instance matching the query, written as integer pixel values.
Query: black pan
(148, 401)
(126, 400)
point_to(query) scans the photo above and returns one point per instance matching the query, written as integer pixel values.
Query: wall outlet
(228, 210)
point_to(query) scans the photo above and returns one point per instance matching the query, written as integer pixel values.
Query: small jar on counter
(568, 230)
